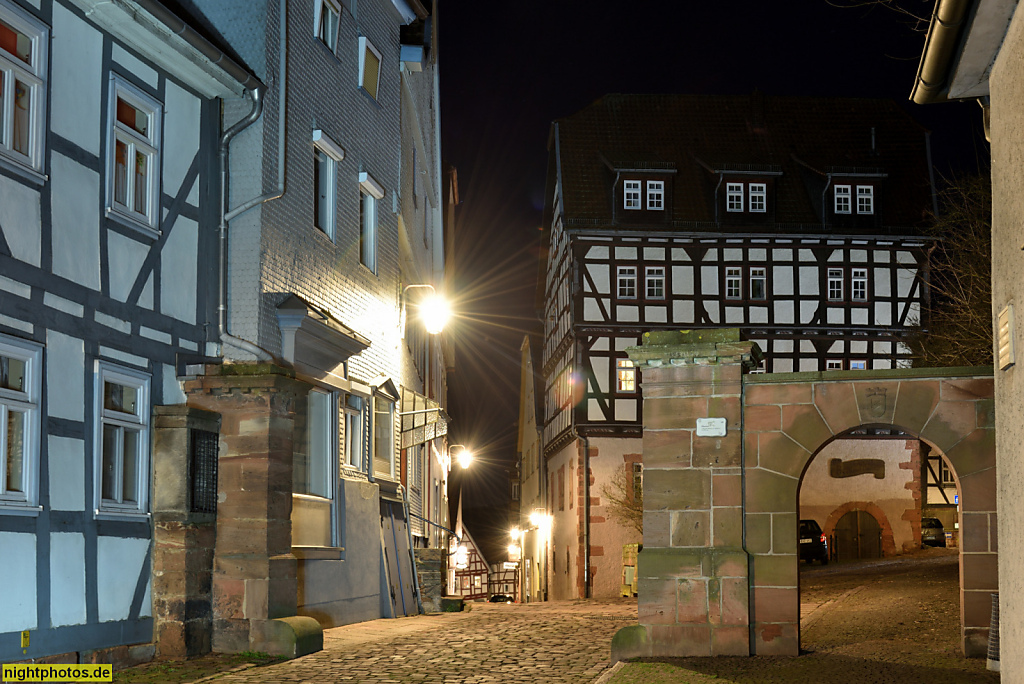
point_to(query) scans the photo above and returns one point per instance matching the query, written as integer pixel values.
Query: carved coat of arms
(876, 402)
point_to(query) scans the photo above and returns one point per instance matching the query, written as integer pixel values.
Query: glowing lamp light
(541, 521)
(434, 312)
(462, 557)
(465, 458)
(514, 553)
(515, 533)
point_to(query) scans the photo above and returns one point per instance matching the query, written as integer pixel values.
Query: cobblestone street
(553, 642)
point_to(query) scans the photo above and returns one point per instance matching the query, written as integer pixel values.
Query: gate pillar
(693, 570)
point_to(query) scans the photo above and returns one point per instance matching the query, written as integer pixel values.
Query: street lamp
(434, 310)
(465, 456)
(460, 553)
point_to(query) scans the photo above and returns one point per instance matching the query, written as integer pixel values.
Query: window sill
(126, 516)
(139, 227)
(324, 235)
(318, 552)
(26, 172)
(20, 510)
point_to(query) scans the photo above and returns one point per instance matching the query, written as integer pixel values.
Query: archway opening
(869, 489)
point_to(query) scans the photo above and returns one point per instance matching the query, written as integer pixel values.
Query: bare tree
(624, 495)
(958, 319)
(916, 13)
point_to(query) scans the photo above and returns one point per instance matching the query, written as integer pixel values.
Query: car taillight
(823, 538)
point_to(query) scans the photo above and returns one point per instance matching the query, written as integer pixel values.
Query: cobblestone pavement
(560, 641)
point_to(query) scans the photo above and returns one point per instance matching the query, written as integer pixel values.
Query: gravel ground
(893, 620)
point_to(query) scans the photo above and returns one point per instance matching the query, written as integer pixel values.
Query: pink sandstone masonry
(719, 569)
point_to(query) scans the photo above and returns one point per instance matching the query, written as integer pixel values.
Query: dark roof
(805, 138)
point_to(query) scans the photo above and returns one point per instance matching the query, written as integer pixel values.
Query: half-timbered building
(108, 212)
(797, 220)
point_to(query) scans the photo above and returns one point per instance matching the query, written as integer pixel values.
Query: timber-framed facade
(798, 220)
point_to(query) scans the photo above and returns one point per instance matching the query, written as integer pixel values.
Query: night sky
(509, 69)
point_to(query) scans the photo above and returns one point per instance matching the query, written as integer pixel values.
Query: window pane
(383, 433)
(371, 70)
(21, 126)
(368, 235)
(110, 465)
(121, 173)
(120, 398)
(141, 182)
(130, 467)
(12, 374)
(133, 117)
(322, 180)
(15, 42)
(15, 451)
(354, 439)
(318, 424)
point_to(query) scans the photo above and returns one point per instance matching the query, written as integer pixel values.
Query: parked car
(813, 545)
(501, 598)
(932, 533)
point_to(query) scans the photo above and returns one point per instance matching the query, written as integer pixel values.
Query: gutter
(193, 38)
(933, 72)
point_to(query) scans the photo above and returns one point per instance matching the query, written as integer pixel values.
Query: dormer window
(758, 192)
(865, 199)
(734, 196)
(655, 195)
(842, 199)
(631, 194)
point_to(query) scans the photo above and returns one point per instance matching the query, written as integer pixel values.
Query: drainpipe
(412, 552)
(931, 171)
(824, 202)
(586, 517)
(226, 216)
(720, 177)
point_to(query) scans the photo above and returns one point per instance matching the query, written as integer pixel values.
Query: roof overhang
(313, 342)
(963, 40)
(159, 35)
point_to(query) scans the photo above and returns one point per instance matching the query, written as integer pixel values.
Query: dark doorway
(858, 535)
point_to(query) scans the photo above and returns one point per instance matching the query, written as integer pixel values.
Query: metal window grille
(203, 467)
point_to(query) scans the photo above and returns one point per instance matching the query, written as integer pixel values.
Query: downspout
(931, 172)
(824, 204)
(586, 517)
(720, 177)
(226, 215)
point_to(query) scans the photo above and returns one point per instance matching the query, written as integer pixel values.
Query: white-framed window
(24, 49)
(383, 436)
(859, 285)
(354, 413)
(841, 193)
(133, 155)
(631, 194)
(833, 364)
(835, 284)
(370, 192)
(20, 382)
(314, 473)
(656, 195)
(326, 155)
(325, 21)
(121, 440)
(627, 282)
(734, 196)
(758, 193)
(655, 282)
(625, 373)
(865, 199)
(369, 67)
(858, 364)
(733, 282)
(758, 283)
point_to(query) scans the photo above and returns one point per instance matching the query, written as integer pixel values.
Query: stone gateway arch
(724, 453)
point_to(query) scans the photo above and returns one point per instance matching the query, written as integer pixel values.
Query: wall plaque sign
(711, 427)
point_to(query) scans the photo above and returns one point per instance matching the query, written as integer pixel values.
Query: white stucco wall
(1007, 129)
(821, 494)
